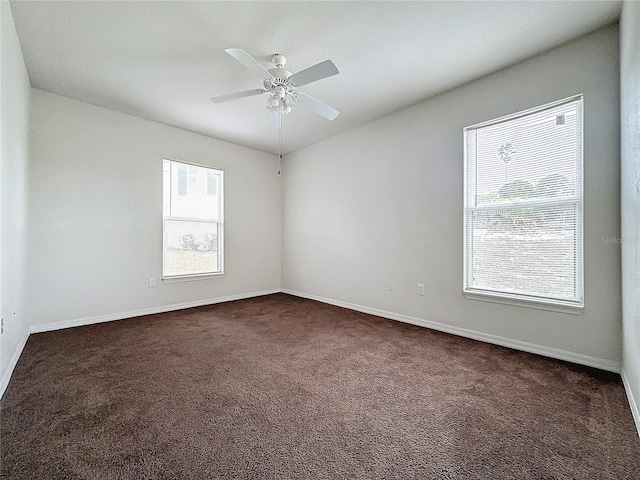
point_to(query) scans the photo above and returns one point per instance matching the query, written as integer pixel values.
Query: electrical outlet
(392, 286)
(421, 289)
(297, 272)
(152, 283)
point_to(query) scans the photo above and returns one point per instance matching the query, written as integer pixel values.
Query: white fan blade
(236, 95)
(317, 72)
(317, 106)
(249, 62)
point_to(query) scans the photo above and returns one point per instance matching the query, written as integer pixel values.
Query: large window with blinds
(523, 207)
(192, 216)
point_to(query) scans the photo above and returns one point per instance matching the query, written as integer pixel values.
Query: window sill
(189, 278)
(527, 302)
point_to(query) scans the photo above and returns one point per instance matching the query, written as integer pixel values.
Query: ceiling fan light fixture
(274, 101)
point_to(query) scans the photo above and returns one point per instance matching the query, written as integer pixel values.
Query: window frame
(522, 299)
(219, 221)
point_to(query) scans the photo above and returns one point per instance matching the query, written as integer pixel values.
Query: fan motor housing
(280, 79)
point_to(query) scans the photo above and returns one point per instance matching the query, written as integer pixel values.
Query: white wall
(630, 199)
(14, 120)
(96, 214)
(384, 202)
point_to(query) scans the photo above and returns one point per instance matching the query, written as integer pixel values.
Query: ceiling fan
(282, 85)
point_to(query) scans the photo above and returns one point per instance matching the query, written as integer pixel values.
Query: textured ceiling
(164, 60)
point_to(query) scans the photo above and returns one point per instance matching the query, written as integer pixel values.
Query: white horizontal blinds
(524, 204)
(192, 209)
(509, 256)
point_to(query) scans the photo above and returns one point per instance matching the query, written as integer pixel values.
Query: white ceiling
(163, 60)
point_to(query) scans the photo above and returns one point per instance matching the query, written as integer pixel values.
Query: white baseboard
(79, 322)
(601, 363)
(12, 364)
(632, 401)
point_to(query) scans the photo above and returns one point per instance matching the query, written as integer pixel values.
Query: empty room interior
(373, 240)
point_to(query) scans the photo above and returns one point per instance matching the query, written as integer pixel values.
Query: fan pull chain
(280, 145)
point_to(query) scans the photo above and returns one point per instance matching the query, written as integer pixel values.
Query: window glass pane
(525, 250)
(190, 247)
(194, 202)
(535, 156)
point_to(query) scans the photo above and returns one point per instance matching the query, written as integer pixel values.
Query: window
(523, 207)
(192, 216)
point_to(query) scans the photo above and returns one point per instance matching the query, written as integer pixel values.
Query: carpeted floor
(279, 387)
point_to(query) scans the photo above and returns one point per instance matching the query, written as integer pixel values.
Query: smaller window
(192, 221)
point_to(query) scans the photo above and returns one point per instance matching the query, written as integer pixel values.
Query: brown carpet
(279, 387)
